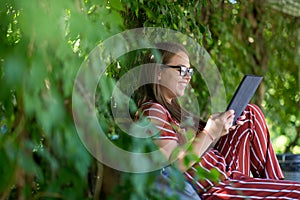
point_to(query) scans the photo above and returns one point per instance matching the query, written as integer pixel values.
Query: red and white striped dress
(246, 149)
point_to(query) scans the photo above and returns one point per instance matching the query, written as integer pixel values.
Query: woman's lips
(184, 84)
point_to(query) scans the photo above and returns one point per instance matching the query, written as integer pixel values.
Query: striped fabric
(163, 119)
(244, 158)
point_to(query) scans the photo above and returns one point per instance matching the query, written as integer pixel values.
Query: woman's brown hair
(152, 91)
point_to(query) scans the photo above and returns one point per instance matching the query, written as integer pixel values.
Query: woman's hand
(239, 122)
(219, 124)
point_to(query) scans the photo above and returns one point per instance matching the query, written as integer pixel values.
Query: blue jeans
(169, 186)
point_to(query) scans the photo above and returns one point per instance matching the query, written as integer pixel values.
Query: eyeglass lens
(185, 70)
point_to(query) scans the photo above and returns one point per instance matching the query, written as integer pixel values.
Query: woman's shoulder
(154, 108)
(153, 105)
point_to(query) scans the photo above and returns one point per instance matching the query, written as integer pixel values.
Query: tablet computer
(244, 94)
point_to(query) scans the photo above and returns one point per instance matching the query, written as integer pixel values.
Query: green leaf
(116, 4)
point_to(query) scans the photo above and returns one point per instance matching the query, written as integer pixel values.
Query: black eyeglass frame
(183, 69)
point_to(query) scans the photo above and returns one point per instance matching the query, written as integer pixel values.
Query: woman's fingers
(232, 128)
(240, 121)
(229, 113)
(228, 118)
(215, 115)
(242, 117)
(223, 116)
(219, 123)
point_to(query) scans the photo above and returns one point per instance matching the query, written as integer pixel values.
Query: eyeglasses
(183, 69)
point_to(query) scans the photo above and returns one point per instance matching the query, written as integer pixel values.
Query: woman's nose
(187, 77)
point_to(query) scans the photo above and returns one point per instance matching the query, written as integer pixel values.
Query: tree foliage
(43, 44)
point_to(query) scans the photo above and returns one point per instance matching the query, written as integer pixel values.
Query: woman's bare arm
(217, 126)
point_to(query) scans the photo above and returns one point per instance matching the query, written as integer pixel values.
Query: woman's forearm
(200, 145)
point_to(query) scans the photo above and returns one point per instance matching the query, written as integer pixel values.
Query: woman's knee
(257, 118)
(255, 111)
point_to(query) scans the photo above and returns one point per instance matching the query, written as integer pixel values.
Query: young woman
(236, 151)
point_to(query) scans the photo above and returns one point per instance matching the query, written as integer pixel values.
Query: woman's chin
(180, 93)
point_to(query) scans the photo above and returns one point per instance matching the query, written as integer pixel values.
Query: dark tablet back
(244, 94)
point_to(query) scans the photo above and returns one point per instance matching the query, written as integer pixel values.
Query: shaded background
(43, 44)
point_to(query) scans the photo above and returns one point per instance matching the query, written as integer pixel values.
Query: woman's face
(171, 82)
